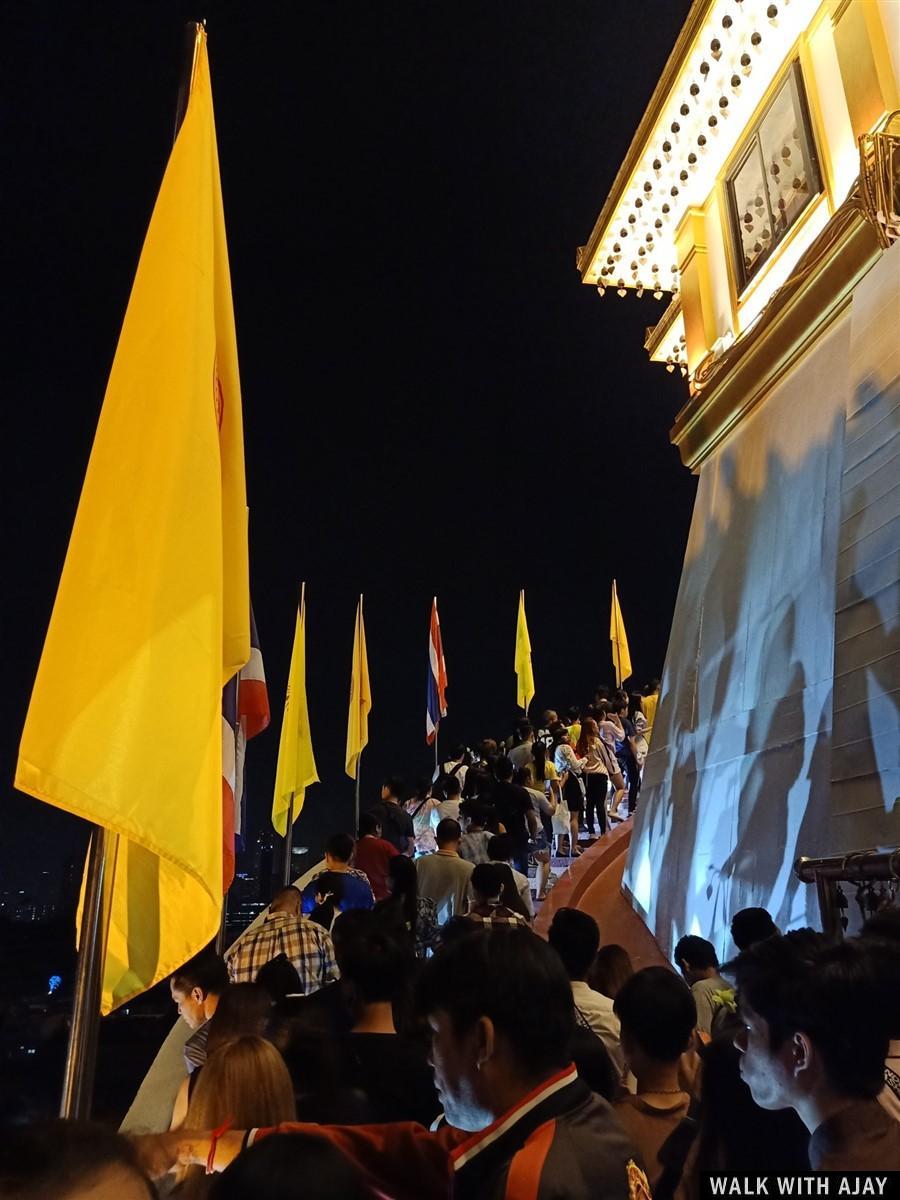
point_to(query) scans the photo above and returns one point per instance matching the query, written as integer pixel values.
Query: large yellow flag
(296, 762)
(621, 657)
(152, 614)
(360, 697)
(524, 669)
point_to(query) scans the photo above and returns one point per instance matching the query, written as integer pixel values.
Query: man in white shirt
(521, 755)
(575, 937)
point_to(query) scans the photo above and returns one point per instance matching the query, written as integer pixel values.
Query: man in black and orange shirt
(519, 1120)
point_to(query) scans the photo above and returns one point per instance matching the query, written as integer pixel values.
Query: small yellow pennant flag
(524, 668)
(360, 697)
(296, 762)
(620, 655)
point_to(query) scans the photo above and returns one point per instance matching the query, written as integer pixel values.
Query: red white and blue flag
(245, 713)
(437, 678)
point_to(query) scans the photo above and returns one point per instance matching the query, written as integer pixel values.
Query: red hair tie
(213, 1142)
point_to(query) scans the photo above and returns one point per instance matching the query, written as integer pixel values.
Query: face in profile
(190, 1005)
(766, 1072)
(454, 1061)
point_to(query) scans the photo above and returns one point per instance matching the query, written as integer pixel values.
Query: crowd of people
(503, 1064)
(398, 1029)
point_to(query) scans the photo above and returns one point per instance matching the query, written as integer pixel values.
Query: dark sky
(432, 400)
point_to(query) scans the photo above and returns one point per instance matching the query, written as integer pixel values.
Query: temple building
(761, 195)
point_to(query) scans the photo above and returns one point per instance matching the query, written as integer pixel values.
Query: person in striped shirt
(284, 931)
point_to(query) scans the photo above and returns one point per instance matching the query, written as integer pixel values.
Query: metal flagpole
(81, 1057)
(289, 846)
(223, 921)
(356, 797)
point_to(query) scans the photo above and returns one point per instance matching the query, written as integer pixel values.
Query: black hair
(539, 755)
(635, 705)
(271, 1168)
(575, 936)
(368, 823)
(340, 846)
(394, 786)
(447, 831)
(696, 952)
(751, 925)
(657, 1009)
(376, 966)
(450, 785)
(652, 686)
(487, 974)
(404, 887)
(423, 789)
(473, 811)
(503, 768)
(523, 728)
(500, 847)
(486, 880)
(206, 971)
(244, 1009)
(884, 924)
(573, 712)
(56, 1158)
(804, 982)
(280, 978)
(524, 776)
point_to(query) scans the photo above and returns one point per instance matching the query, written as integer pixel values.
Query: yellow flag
(621, 657)
(296, 762)
(152, 614)
(360, 697)
(524, 669)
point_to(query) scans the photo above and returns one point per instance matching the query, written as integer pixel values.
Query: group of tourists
(396, 1028)
(546, 786)
(342, 1065)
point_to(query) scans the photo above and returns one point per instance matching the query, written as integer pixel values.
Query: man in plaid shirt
(307, 945)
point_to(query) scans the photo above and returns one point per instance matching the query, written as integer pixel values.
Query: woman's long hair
(589, 730)
(404, 883)
(539, 766)
(243, 1008)
(243, 1081)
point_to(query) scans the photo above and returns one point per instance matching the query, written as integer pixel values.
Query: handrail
(861, 867)
(856, 867)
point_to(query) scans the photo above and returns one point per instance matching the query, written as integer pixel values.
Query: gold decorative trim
(657, 334)
(682, 48)
(817, 290)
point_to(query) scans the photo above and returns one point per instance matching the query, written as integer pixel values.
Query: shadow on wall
(739, 781)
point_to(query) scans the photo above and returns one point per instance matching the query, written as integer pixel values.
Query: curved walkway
(593, 883)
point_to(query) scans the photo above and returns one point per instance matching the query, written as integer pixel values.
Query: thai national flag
(245, 713)
(437, 678)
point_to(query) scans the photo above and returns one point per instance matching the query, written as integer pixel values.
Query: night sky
(433, 403)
